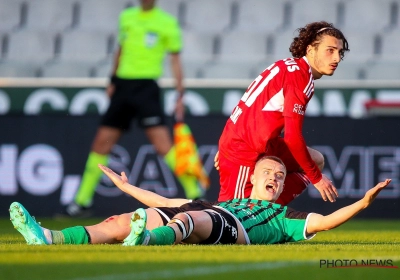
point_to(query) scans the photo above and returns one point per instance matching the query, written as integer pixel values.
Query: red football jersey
(275, 100)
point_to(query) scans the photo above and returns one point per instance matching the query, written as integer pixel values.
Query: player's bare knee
(120, 221)
(317, 157)
(320, 161)
(111, 219)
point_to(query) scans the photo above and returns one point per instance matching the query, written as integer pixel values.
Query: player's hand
(371, 194)
(326, 189)
(118, 180)
(110, 90)
(216, 160)
(179, 110)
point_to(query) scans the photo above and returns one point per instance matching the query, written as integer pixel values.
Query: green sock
(164, 235)
(72, 235)
(90, 179)
(188, 182)
(57, 237)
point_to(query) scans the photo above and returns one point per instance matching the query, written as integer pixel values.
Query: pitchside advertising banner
(42, 159)
(329, 100)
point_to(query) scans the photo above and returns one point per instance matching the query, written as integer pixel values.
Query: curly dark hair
(311, 34)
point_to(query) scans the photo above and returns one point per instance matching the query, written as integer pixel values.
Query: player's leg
(317, 157)
(117, 119)
(138, 235)
(234, 179)
(160, 137)
(295, 184)
(116, 228)
(192, 227)
(195, 226)
(104, 140)
(152, 119)
(26, 225)
(296, 181)
(278, 148)
(34, 234)
(140, 225)
(112, 230)
(207, 227)
(180, 227)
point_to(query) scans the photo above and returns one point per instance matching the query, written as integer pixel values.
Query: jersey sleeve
(294, 139)
(295, 102)
(174, 37)
(296, 225)
(121, 28)
(294, 109)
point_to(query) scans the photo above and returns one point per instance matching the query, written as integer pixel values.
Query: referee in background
(146, 35)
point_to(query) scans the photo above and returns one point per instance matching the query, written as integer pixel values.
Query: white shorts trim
(241, 181)
(162, 214)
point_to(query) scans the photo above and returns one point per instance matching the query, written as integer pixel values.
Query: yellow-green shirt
(145, 37)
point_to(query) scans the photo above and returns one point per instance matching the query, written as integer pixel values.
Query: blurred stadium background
(227, 39)
(55, 60)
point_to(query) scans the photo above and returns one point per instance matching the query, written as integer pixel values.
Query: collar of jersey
(149, 12)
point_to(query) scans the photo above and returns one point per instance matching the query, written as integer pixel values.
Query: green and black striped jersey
(266, 222)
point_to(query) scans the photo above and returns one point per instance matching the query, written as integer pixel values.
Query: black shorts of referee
(134, 99)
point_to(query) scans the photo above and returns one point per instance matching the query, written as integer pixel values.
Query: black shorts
(139, 99)
(225, 235)
(167, 213)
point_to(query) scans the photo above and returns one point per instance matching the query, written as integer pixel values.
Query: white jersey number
(254, 90)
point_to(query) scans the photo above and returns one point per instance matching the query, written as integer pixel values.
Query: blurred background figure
(146, 34)
(239, 39)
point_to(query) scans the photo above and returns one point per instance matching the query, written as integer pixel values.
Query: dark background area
(72, 137)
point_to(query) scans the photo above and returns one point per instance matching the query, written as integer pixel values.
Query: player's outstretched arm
(317, 222)
(146, 197)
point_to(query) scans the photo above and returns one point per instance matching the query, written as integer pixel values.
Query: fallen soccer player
(257, 220)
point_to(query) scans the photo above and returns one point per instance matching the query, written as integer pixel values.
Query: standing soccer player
(276, 102)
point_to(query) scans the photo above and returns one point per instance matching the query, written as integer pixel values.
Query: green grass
(358, 239)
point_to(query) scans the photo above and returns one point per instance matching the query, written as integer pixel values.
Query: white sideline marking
(196, 271)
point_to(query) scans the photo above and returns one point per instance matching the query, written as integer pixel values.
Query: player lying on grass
(256, 220)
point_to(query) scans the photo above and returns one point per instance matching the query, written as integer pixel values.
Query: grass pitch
(371, 241)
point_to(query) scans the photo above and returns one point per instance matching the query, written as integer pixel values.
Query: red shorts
(295, 184)
(235, 176)
(234, 179)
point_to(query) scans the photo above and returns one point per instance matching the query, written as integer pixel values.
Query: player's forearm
(146, 197)
(342, 215)
(152, 199)
(317, 222)
(298, 147)
(116, 61)
(177, 71)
